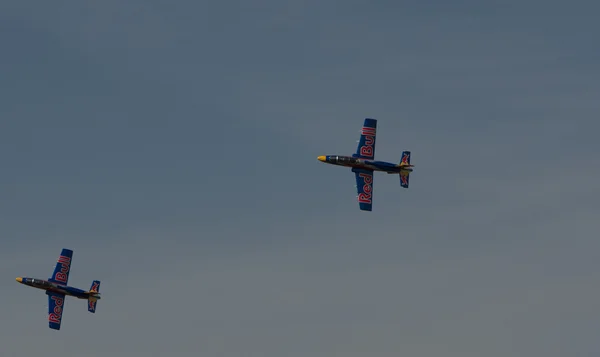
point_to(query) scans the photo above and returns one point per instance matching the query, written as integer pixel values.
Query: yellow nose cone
(20, 280)
(321, 158)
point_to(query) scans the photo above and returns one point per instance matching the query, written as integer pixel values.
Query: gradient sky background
(172, 146)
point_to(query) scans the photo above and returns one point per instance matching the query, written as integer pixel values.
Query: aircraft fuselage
(364, 164)
(60, 289)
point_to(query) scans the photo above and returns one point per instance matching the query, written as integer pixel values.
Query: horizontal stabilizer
(404, 178)
(92, 302)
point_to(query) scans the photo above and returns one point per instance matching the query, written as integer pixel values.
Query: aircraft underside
(363, 164)
(57, 289)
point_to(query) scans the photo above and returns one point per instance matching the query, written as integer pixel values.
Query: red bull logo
(56, 315)
(404, 179)
(94, 287)
(405, 158)
(62, 274)
(366, 195)
(92, 304)
(367, 149)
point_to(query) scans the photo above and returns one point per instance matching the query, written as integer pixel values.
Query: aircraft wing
(366, 143)
(63, 267)
(56, 304)
(364, 188)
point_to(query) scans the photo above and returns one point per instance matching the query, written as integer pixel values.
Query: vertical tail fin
(405, 159)
(95, 288)
(405, 169)
(94, 296)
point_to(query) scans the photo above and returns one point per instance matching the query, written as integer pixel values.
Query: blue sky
(173, 147)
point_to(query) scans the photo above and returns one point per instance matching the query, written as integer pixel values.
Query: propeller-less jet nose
(20, 280)
(321, 158)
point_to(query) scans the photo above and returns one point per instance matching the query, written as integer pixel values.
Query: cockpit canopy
(40, 282)
(343, 160)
